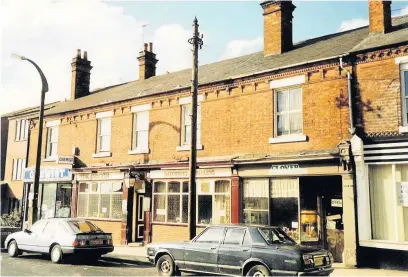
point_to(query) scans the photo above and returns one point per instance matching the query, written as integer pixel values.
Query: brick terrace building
(276, 144)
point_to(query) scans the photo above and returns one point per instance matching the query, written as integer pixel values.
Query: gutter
(352, 128)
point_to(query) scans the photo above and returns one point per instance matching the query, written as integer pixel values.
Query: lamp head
(18, 56)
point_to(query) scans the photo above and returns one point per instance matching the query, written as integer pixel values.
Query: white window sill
(384, 244)
(138, 151)
(403, 129)
(290, 138)
(102, 154)
(186, 147)
(50, 159)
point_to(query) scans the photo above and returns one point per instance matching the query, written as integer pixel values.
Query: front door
(200, 255)
(232, 253)
(140, 227)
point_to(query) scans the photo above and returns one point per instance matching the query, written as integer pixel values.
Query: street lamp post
(34, 214)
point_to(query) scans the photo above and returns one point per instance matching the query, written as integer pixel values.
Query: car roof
(242, 225)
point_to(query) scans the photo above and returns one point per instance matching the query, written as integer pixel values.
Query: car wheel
(165, 266)
(12, 249)
(258, 271)
(56, 254)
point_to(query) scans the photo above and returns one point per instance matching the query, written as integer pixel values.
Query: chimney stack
(380, 16)
(147, 62)
(81, 73)
(278, 36)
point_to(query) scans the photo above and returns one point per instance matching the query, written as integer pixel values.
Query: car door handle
(245, 249)
(213, 247)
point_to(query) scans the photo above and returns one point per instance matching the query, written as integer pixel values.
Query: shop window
(256, 201)
(104, 134)
(48, 200)
(100, 200)
(186, 124)
(52, 142)
(288, 115)
(389, 208)
(284, 205)
(140, 136)
(63, 200)
(22, 126)
(170, 202)
(18, 169)
(213, 201)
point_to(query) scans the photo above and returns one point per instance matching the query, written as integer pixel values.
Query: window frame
(17, 173)
(135, 130)
(21, 129)
(289, 112)
(51, 144)
(267, 180)
(99, 193)
(404, 94)
(100, 136)
(183, 141)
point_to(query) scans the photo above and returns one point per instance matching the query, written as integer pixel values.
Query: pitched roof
(308, 51)
(30, 111)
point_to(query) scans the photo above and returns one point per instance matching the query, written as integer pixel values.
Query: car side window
(211, 235)
(38, 227)
(247, 238)
(52, 228)
(234, 236)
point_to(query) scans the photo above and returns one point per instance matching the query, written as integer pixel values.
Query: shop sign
(403, 194)
(65, 160)
(287, 169)
(49, 174)
(337, 203)
(99, 176)
(202, 172)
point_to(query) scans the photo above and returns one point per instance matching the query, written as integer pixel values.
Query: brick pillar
(74, 199)
(235, 206)
(349, 221)
(123, 229)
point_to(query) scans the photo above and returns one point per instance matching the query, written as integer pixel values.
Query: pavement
(138, 254)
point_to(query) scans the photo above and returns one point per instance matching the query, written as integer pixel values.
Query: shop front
(306, 200)
(170, 190)
(54, 193)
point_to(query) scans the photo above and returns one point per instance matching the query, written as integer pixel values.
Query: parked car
(59, 237)
(6, 229)
(242, 251)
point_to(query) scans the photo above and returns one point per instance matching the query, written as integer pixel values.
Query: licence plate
(96, 242)
(318, 261)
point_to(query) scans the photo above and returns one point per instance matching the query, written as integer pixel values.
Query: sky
(49, 32)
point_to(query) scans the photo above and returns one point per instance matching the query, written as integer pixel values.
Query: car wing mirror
(27, 231)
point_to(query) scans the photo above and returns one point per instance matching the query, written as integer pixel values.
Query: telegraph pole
(197, 43)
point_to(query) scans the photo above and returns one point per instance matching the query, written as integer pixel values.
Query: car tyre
(165, 266)
(12, 249)
(56, 254)
(258, 271)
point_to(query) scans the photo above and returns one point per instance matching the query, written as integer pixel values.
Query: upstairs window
(52, 142)
(140, 136)
(288, 115)
(22, 126)
(18, 169)
(404, 93)
(186, 124)
(104, 134)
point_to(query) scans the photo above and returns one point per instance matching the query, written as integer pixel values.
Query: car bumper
(324, 271)
(87, 250)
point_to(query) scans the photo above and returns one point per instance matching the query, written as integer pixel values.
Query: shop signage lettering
(403, 193)
(177, 173)
(287, 169)
(49, 174)
(99, 176)
(65, 160)
(337, 203)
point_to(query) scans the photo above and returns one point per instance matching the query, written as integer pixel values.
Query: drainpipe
(352, 129)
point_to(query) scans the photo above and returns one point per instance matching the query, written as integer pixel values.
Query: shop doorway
(321, 213)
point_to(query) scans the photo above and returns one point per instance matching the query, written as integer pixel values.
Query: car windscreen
(275, 235)
(83, 226)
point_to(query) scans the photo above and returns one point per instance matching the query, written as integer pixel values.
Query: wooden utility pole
(197, 43)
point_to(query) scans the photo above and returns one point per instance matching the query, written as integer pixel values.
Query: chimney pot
(150, 49)
(78, 53)
(85, 56)
(145, 46)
